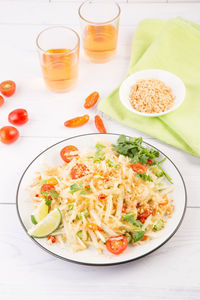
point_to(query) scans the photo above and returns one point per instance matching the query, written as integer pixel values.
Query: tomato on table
(76, 122)
(99, 124)
(78, 171)
(138, 168)
(7, 88)
(117, 244)
(1, 100)
(68, 153)
(8, 134)
(91, 100)
(18, 116)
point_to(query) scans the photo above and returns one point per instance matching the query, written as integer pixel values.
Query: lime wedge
(48, 225)
(41, 213)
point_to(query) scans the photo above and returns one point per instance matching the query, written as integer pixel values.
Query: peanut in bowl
(152, 92)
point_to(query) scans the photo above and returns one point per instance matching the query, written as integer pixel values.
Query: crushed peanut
(151, 96)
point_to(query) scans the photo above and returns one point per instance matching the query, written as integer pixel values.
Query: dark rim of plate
(99, 264)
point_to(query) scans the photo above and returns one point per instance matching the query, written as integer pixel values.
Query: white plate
(90, 256)
(171, 80)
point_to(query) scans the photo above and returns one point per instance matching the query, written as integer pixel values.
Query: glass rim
(98, 23)
(53, 27)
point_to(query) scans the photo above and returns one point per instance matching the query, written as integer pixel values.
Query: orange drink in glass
(99, 24)
(59, 56)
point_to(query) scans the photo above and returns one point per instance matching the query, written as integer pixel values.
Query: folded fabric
(172, 45)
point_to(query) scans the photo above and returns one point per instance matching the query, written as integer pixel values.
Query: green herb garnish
(158, 226)
(144, 176)
(80, 234)
(53, 194)
(129, 218)
(74, 188)
(112, 164)
(71, 206)
(33, 220)
(99, 154)
(133, 148)
(138, 235)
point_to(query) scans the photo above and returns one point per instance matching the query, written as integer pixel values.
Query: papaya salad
(107, 198)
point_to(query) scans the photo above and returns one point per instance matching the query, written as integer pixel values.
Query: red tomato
(1, 100)
(51, 239)
(46, 188)
(68, 153)
(78, 171)
(143, 216)
(18, 116)
(138, 168)
(7, 88)
(117, 244)
(8, 134)
(144, 238)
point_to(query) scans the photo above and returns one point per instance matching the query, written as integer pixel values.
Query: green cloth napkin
(172, 45)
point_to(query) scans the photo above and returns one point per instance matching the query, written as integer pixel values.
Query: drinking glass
(58, 49)
(99, 26)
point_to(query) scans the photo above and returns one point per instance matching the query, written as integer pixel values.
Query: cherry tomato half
(1, 100)
(8, 134)
(18, 116)
(117, 244)
(78, 171)
(46, 188)
(68, 153)
(7, 88)
(138, 168)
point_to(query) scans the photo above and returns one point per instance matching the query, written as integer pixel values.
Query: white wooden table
(28, 273)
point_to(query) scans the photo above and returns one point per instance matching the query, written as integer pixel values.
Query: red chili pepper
(124, 208)
(52, 239)
(150, 161)
(37, 195)
(102, 197)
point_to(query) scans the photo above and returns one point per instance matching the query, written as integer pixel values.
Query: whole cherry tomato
(117, 244)
(8, 134)
(7, 88)
(68, 153)
(18, 116)
(1, 100)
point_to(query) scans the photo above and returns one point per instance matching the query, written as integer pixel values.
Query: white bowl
(171, 80)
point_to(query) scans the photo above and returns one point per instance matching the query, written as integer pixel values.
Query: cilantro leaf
(74, 188)
(138, 235)
(144, 176)
(129, 218)
(47, 201)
